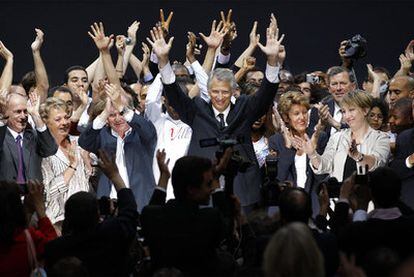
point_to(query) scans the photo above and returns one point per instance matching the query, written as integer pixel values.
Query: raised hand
(145, 56)
(120, 44)
(73, 159)
(132, 31)
(229, 26)
(114, 94)
(37, 43)
(405, 63)
(33, 104)
(165, 24)
(371, 73)
(5, 53)
(253, 36)
(191, 49)
(409, 51)
(249, 63)
(216, 35)
(159, 46)
(227, 20)
(102, 42)
(163, 163)
(273, 43)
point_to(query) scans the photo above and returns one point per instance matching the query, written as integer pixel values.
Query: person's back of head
(188, 172)
(292, 251)
(68, 267)
(295, 205)
(385, 187)
(12, 214)
(81, 213)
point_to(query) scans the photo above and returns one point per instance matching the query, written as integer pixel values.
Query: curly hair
(290, 98)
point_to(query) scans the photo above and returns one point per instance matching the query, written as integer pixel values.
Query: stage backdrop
(313, 29)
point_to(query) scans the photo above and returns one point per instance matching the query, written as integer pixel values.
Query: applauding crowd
(208, 167)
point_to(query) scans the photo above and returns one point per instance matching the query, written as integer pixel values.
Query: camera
(237, 162)
(356, 47)
(332, 185)
(312, 79)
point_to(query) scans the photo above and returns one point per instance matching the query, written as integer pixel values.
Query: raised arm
(132, 35)
(254, 38)
(376, 81)
(120, 47)
(42, 81)
(102, 42)
(213, 41)
(6, 78)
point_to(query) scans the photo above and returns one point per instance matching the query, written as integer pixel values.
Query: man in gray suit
(23, 148)
(220, 118)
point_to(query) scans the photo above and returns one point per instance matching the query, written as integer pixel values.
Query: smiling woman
(359, 145)
(66, 172)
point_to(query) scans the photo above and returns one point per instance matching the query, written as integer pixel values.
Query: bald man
(22, 147)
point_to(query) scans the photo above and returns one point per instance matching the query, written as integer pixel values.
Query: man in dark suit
(23, 148)
(403, 164)
(179, 233)
(220, 118)
(340, 82)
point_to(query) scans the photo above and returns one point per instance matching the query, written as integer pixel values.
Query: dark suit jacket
(139, 152)
(404, 147)
(36, 145)
(314, 117)
(199, 115)
(181, 235)
(104, 250)
(286, 170)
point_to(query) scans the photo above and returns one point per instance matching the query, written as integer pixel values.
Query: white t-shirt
(300, 165)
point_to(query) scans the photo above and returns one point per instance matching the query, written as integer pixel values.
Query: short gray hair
(222, 74)
(335, 70)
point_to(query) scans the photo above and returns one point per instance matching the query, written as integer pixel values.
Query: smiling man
(340, 82)
(219, 118)
(22, 147)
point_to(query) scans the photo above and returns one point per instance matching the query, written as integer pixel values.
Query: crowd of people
(212, 168)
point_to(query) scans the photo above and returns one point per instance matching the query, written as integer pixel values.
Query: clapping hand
(37, 44)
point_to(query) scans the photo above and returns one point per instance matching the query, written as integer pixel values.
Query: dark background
(313, 29)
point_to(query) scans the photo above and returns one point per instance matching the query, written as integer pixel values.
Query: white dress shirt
(337, 115)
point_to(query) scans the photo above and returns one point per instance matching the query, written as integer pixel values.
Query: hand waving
(102, 42)
(216, 35)
(159, 46)
(273, 44)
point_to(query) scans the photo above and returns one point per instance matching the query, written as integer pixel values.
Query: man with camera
(220, 118)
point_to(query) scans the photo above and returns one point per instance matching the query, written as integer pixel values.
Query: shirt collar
(115, 134)
(385, 214)
(225, 112)
(14, 133)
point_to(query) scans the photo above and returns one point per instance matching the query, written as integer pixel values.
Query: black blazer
(404, 147)
(286, 164)
(199, 115)
(314, 117)
(181, 235)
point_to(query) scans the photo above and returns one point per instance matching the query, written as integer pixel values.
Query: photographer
(181, 233)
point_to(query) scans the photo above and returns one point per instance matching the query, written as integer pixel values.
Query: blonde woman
(64, 173)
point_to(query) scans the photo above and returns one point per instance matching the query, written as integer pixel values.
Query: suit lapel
(11, 145)
(231, 115)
